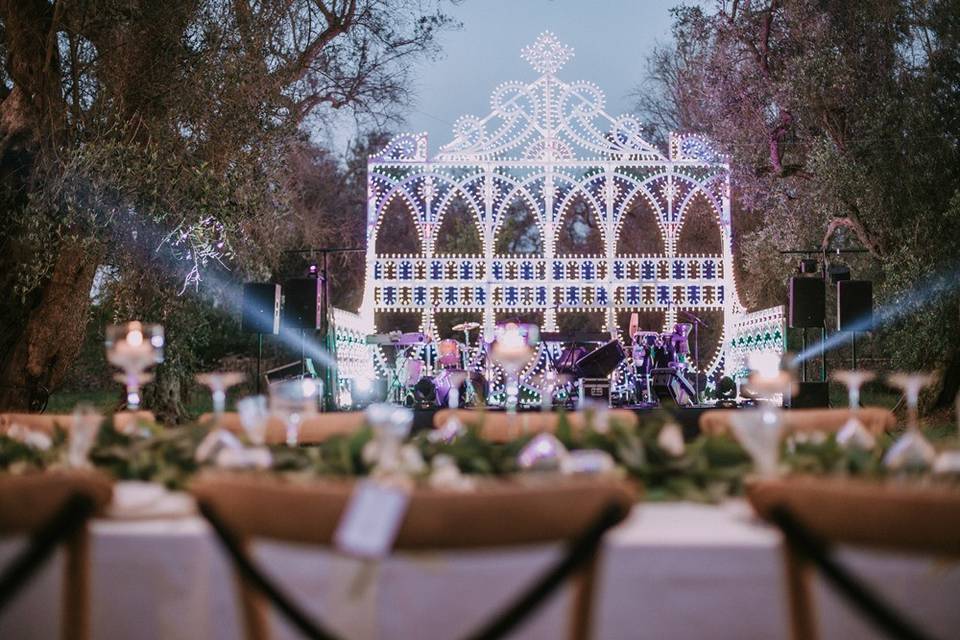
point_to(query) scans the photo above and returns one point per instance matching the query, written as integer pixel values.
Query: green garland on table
(709, 468)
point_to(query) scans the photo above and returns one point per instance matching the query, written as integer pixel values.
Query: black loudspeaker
(303, 303)
(261, 308)
(809, 395)
(855, 305)
(807, 302)
(601, 362)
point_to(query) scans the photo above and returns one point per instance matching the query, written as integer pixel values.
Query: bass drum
(409, 370)
(445, 380)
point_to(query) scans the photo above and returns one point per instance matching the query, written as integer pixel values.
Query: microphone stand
(696, 348)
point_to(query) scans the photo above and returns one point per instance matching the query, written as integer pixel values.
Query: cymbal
(466, 326)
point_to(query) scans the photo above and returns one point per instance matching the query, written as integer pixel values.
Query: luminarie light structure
(544, 146)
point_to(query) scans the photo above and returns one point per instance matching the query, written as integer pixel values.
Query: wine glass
(254, 415)
(511, 351)
(134, 347)
(83, 433)
(854, 434)
(291, 401)
(218, 382)
(911, 449)
(760, 430)
(391, 425)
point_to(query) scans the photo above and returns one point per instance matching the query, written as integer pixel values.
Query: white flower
(670, 439)
(371, 452)
(446, 475)
(411, 461)
(29, 437)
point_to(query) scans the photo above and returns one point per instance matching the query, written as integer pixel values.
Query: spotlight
(313, 271)
(424, 393)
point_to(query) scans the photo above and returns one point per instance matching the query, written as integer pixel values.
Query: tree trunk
(164, 396)
(949, 384)
(50, 338)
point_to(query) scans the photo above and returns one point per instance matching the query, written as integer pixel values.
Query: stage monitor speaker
(855, 305)
(810, 395)
(602, 361)
(807, 302)
(672, 388)
(261, 308)
(303, 303)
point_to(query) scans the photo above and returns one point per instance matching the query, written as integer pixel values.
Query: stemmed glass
(254, 416)
(291, 401)
(218, 383)
(452, 428)
(853, 434)
(511, 351)
(760, 430)
(391, 425)
(912, 448)
(134, 347)
(83, 433)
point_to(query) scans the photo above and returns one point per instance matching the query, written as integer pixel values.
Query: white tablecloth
(673, 570)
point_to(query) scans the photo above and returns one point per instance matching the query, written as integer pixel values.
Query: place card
(371, 520)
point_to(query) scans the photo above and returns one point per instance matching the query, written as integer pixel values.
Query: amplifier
(596, 388)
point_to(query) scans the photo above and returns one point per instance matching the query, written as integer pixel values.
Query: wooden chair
(876, 420)
(313, 430)
(813, 513)
(497, 514)
(52, 508)
(498, 426)
(48, 422)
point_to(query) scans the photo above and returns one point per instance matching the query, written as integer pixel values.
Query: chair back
(313, 429)
(308, 513)
(497, 426)
(876, 420)
(30, 500)
(52, 508)
(496, 514)
(886, 515)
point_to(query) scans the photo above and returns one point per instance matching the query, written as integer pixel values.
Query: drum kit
(415, 381)
(463, 366)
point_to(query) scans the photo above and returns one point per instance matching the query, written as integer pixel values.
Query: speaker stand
(303, 365)
(803, 350)
(259, 358)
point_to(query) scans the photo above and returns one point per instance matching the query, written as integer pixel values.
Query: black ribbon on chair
(254, 577)
(857, 593)
(580, 551)
(73, 515)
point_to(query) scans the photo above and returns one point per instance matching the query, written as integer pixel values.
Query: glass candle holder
(133, 347)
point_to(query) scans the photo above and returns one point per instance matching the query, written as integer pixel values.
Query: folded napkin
(134, 500)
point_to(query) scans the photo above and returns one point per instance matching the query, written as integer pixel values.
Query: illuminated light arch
(545, 142)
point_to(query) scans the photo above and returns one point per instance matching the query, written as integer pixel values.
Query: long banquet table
(672, 570)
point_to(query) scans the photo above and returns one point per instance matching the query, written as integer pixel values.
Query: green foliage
(840, 118)
(709, 469)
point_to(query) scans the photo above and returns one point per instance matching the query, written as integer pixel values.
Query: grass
(108, 401)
